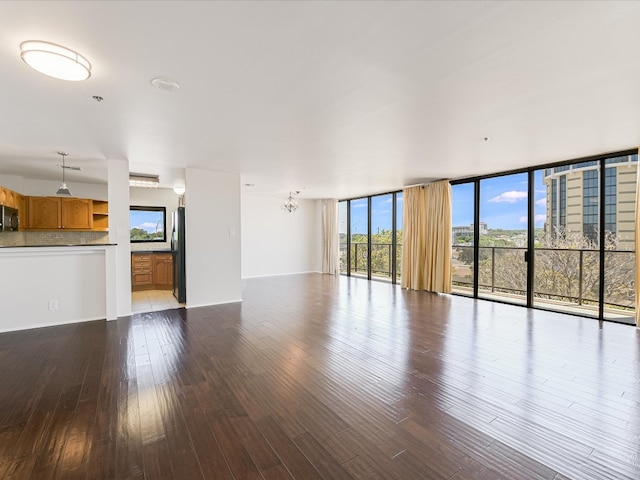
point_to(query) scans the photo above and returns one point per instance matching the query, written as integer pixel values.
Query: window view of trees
(366, 230)
(567, 250)
(147, 224)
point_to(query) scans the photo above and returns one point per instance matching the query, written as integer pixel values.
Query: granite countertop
(61, 245)
(146, 252)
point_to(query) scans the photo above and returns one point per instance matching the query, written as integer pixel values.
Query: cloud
(538, 218)
(150, 226)
(509, 197)
(359, 205)
(542, 202)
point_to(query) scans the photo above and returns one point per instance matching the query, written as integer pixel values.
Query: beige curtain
(413, 238)
(637, 238)
(426, 249)
(438, 236)
(331, 247)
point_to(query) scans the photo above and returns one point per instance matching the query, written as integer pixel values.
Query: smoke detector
(165, 84)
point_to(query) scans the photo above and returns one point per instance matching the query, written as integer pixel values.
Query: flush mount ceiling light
(63, 190)
(290, 205)
(55, 60)
(143, 180)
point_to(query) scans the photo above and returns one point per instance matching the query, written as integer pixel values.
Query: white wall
(12, 182)
(48, 188)
(75, 278)
(212, 237)
(118, 174)
(155, 197)
(276, 242)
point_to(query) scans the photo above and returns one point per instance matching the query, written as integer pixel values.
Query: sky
(503, 204)
(151, 222)
(381, 214)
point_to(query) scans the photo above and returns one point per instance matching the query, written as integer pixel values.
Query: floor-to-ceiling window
(399, 212)
(343, 234)
(371, 236)
(382, 236)
(502, 269)
(463, 237)
(359, 239)
(559, 237)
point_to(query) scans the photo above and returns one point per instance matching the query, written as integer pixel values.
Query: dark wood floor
(316, 377)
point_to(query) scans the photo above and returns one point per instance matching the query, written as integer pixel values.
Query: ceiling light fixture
(63, 190)
(55, 60)
(143, 180)
(178, 190)
(290, 205)
(165, 84)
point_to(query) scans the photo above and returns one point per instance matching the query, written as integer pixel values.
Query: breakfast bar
(44, 285)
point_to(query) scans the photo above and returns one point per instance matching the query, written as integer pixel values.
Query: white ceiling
(336, 99)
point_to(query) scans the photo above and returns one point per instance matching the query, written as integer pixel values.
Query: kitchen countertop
(61, 245)
(147, 252)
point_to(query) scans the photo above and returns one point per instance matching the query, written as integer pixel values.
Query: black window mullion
(368, 238)
(531, 231)
(348, 238)
(394, 240)
(601, 235)
(476, 235)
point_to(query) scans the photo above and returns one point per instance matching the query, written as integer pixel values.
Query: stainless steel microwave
(9, 219)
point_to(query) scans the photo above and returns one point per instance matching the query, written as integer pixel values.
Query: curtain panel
(331, 247)
(426, 249)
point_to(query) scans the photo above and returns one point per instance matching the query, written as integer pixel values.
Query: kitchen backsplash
(52, 238)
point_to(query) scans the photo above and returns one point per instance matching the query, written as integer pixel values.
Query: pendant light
(63, 190)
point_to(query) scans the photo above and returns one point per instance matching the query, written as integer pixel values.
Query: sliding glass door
(559, 238)
(503, 227)
(370, 230)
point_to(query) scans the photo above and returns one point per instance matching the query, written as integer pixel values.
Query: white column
(212, 234)
(118, 196)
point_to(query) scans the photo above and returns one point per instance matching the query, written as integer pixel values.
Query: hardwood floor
(316, 377)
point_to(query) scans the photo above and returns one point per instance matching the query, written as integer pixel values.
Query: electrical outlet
(53, 304)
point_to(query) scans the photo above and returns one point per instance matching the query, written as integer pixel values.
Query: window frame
(150, 208)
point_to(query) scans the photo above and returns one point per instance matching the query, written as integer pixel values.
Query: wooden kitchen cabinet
(46, 213)
(163, 270)
(141, 270)
(100, 216)
(151, 271)
(8, 197)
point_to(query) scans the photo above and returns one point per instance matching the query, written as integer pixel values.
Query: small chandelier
(290, 205)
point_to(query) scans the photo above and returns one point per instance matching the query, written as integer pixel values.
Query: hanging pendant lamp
(63, 190)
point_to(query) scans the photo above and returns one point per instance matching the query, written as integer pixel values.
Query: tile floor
(153, 301)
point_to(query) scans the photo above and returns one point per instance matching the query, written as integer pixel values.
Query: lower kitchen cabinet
(151, 271)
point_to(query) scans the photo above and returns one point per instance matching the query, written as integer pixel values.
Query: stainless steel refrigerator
(178, 251)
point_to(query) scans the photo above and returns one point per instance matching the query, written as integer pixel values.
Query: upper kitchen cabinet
(77, 213)
(44, 213)
(8, 198)
(47, 213)
(100, 215)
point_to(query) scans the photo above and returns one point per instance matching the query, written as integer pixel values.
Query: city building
(572, 199)
(466, 231)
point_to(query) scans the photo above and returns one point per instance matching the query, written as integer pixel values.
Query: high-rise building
(573, 199)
